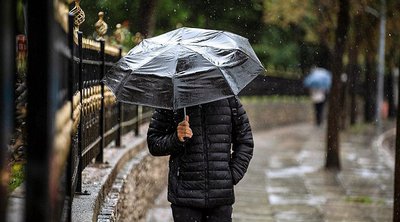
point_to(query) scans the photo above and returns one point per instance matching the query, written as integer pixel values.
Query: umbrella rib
(250, 57)
(200, 53)
(218, 48)
(126, 77)
(121, 86)
(141, 65)
(225, 33)
(227, 82)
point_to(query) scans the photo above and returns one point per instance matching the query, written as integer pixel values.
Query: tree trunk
(147, 17)
(381, 65)
(369, 30)
(343, 100)
(332, 157)
(392, 83)
(396, 198)
(354, 69)
(393, 106)
(370, 86)
(355, 72)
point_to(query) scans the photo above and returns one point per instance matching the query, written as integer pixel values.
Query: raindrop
(174, 10)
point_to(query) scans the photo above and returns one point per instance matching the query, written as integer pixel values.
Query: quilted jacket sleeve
(242, 139)
(162, 137)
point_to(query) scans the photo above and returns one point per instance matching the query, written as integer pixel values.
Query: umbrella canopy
(319, 78)
(184, 67)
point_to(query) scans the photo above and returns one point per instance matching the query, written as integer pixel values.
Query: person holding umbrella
(209, 154)
(192, 76)
(319, 82)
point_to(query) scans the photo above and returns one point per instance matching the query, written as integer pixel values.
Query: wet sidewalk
(286, 181)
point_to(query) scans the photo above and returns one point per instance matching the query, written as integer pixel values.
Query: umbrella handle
(184, 117)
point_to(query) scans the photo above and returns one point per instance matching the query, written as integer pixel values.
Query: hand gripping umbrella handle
(184, 117)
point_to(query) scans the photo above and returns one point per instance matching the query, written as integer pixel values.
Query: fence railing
(7, 70)
(270, 85)
(99, 119)
(71, 116)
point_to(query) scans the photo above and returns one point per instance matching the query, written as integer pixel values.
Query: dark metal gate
(71, 117)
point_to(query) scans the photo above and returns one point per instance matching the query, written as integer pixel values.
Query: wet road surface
(286, 181)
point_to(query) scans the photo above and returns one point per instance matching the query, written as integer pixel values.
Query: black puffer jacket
(203, 170)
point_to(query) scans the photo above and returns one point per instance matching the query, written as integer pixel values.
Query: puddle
(351, 157)
(290, 172)
(159, 215)
(364, 161)
(365, 173)
(277, 190)
(286, 200)
(289, 216)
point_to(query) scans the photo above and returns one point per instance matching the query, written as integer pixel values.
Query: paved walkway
(286, 181)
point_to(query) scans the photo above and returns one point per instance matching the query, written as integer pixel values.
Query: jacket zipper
(203, 125)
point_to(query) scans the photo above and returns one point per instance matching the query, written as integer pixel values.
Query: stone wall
(134, 189)
(142, 187)
(271, 113)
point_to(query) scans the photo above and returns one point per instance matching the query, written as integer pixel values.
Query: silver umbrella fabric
(184, 67)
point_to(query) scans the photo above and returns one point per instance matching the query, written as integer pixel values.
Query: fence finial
(101, 27)
(138, 38)
(79, 14)
(119, 34)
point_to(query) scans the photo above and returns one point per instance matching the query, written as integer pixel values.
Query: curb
(108, 210)
(384, 150)
(101, 177)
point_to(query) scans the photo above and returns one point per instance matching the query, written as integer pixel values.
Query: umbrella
(319, 78)
(184, 67)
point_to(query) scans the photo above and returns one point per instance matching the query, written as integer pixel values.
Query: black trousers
(190, 214)
(319, 112)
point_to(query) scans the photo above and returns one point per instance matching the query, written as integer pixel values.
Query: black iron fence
(270, 85)
(98, 119)
(7, 70)
(71, 116)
